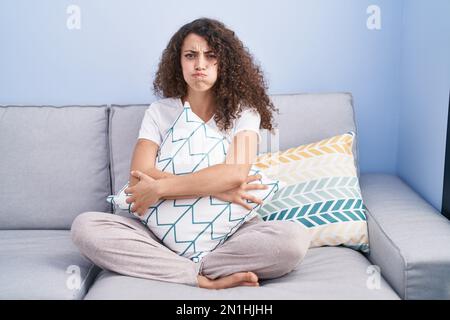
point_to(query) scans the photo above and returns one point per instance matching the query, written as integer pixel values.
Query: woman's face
(199, 63)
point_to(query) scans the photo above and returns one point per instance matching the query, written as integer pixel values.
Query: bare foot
(234, 280)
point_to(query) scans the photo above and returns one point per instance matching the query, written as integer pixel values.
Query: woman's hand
(143, 194)
(239, 195)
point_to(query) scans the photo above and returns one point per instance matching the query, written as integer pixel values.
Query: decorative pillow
(194, 227)
(321, 191)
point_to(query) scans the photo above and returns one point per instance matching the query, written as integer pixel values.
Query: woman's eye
(191, 56)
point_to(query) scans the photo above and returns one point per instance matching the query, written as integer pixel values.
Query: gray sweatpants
(124, 245)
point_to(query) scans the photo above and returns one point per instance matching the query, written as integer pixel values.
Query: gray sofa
(57, 162)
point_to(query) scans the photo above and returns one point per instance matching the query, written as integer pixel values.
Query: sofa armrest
(409, 239)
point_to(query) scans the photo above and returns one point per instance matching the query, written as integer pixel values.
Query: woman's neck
(202, 104)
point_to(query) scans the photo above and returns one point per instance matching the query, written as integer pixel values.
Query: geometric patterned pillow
(194, 227)
(321, 192)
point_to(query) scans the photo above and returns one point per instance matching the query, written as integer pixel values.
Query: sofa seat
(37, 264)
(325, 273)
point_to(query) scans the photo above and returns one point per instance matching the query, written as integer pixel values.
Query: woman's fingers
(252, 198)
(255, 186)
(256, 200)
(130, 199)
(245, 205)
(129, 190)
(137, 211)
(254, 177)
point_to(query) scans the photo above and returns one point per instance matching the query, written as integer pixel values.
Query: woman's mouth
(199, 75)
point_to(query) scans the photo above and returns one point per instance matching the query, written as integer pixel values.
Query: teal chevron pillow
(321, 192)
(194, 227)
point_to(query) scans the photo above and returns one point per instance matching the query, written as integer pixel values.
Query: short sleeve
(249, 120)
(149, 127)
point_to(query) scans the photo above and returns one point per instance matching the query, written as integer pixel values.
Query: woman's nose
(200, 67)
(200, 64)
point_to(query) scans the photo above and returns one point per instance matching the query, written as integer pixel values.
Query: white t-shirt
(161, 115)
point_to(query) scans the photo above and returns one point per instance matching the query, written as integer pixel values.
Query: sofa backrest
(311, 117)
(303, 118)
(54, 165)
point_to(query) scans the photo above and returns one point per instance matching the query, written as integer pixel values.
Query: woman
(206, 65)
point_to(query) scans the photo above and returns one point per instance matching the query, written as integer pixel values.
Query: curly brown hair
(240, 81)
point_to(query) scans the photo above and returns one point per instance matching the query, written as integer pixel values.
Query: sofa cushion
(53, 165)
(325, 273)
(42, 264)
(321, 191)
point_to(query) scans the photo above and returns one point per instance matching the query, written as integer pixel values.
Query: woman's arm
(233, 176)
(143, 159)
(209, 181)
(217, 178)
